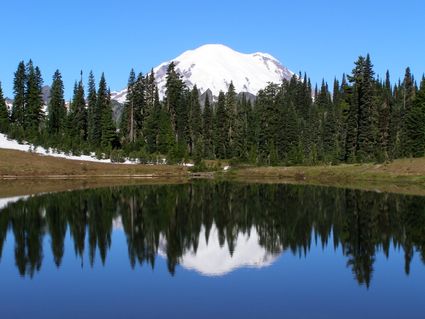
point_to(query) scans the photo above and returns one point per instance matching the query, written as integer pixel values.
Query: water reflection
(216, 227)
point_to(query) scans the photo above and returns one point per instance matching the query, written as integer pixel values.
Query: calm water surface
(213, 249)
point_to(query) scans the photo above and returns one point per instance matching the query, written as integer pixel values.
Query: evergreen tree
(368, 116)
(128, 125)
(92, 116)
(33, 99)
(165, 138)
(19, 82)
(415, 124)
(4, 114)
(221, 128)
(78, 113)
(195, 123)
(102, 113)
(57, 111)
(207, 129)
(230, 109)
(152, 127)
(406, 98)
(240, 144)
(268, 122)
(176, 96)
(109, 136)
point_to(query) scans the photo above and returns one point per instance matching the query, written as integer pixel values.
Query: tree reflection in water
(174, 220)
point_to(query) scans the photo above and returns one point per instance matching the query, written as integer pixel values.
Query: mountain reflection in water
(215, 227)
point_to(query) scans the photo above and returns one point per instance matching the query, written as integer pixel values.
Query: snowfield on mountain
(215, 66)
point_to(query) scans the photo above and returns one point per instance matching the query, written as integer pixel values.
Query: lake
(213, 249)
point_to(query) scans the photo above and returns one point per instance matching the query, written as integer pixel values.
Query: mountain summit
(214, 66)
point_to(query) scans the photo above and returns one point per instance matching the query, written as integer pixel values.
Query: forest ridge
(363, 119)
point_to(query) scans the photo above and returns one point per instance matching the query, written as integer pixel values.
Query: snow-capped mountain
(214, 66)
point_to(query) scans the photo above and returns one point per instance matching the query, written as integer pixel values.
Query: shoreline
(23, 173)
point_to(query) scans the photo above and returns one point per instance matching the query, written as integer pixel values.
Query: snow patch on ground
(6, 143)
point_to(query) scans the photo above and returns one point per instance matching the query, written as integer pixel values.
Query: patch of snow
(226, 168)
(6, 143)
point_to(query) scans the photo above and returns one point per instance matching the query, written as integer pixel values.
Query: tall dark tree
(221, 128)
(92, 113)
(175, 102)
(195, 123)
(19, 82)
(57, 111)
(208, 129)
(415, 124)
(33, 99)
(128, 125)
(109, 135)
(4, 113)
(78, 113)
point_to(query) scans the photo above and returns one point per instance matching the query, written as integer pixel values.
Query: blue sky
(320, 37)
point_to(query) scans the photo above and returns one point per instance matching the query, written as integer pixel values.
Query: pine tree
(195, 123)
(368, 116)
(207, 129)
(221, 128)
(240, 144)
(109, 136)
(152, 127)
(92, 114)
(415, 124)
(18, 108)
(385, 118)
(57, 111)
(139, 108)
(268, 122)
(4, 114)
(101, 116)
(230, 108)
(166, 140)
(127, 125)
(407, 97)
(78, 113)
(33, 99)
(174, 101)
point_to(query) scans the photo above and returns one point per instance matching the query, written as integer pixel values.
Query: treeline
(171, 219)
(362, 119)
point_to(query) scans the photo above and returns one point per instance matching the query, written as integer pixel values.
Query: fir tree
(102, 115)
(240, 147)
(230, 109)
(207, 129)
(92, 113)
(78, 113)
(33, 99)
(415, 124)
(406, 98)
(195, 123)
(4, 114)
(152, 127)
(221, 128)
(57, 111)
(19, 82)
(128, 125)
(109, 136)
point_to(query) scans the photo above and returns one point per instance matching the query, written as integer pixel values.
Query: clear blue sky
(320, 37)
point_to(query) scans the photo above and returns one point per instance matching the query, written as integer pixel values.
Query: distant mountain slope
(214, 66)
